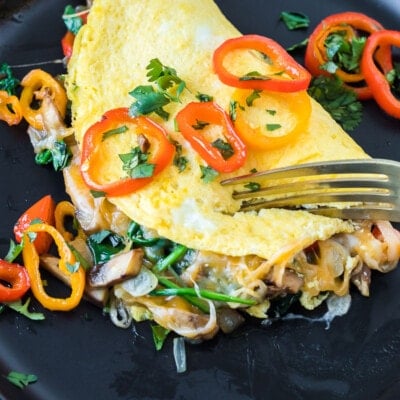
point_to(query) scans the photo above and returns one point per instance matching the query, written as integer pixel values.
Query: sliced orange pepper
(298, 78)
(67, 266)
(161, 151)
(350, 22)
(211, 113)
(299, 105)
(10, 108)
(35, 84)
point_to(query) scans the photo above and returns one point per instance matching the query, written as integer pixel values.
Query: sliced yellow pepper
(63, 210)
(10, 108)
(66, 265)
(37, 84)
(295, 105)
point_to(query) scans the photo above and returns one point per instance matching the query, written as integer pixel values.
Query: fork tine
(368, 212)
(363, 166)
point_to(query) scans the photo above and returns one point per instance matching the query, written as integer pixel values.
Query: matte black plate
(81, 355)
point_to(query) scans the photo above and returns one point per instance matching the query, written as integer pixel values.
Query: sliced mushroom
(361, 277)
(120, 267)
(97, 296)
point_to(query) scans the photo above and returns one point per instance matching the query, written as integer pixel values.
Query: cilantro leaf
(97, 194)
(255, 94)
(135, 164)
(295, 20)
(23, 310)
(148, 101)
(199, 125)
(224, 148)
(252, 186)
(297, 46)
(203, 97)
(59, 155)
(272, 127)
(7, 80)
(14, 250)
(72, 22)
(254, 76)
(393, 77)
(339, 101)
(116, 131)
(20, 379)
(208, 174)
(179, 161)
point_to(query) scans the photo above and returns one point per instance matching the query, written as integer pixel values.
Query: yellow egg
(109, 60)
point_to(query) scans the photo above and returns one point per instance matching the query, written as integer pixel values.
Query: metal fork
(361, 189)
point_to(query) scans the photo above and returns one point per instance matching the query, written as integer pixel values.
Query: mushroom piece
(120, 267)
(97, 296)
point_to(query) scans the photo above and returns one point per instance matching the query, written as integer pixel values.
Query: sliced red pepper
(67, 43)
(290, 76)
(16, 277)
(42, 211)
(374, 76)
(161, 151)
(351, 23)
(210, 113)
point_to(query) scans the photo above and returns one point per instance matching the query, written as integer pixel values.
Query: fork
(361, 188)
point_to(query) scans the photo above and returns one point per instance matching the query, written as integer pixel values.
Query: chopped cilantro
(159, 335)
(339, 101)
(116, 131)
(148, 101)
(135, 164)
(224, 148)
(255, 94)
(7, 80)
(232, 109)
(199, 125)
(72, 268)
(253, 76)
(59, 155)
(252, 186)
(23, 309)
(179, 161)
(270, 111)
(20, 379)
(204, 97)
(297, 46)
(14, 250)
(208, 174)
(72, 21)
(295, 20)
(343, 54)
(272, 127)
(393, 77)
(97, 194)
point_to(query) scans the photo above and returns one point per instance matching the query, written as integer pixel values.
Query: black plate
(81, 355)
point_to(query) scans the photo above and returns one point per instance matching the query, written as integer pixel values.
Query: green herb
(136, 236)
(280, 305)
(148, 101)
(59, 155)
(206, 294)
(253, 186)
(224, 148)
(178, 252)
(343, 54)
(179, 161)
(159, 335)
(72, 21)
(232, 110)
(393, 77)
(270, 112)
(169, 87)
(253, 170)
(339, 101)
(254, 76)
(297, 46)
(104, 244)
(72, 268)
(273, 127)
(199, 125)
(203, 97)
(295, 20)
(96, 194)
(20, 379)
(253, 96)
(208, 174)
(31, 236)
(7, 80)
(196, 301)
(116, 131)
(22, 308)
(14, 250)
(135, 164)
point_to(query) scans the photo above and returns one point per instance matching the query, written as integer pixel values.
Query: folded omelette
(109, 60)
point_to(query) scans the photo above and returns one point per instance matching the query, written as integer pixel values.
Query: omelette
(253, 256)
